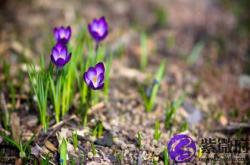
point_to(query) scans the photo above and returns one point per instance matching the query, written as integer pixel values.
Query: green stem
(96, 50)
(44, 123)
(88, 106)
(58, 94)
(5, 111)
(51, 68)
(85, 117)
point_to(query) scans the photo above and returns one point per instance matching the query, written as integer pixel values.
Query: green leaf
(46, 160)
(171, 110)
(196, 52)
(157, 132)
(158, 78)
(63, 152)
(11, 141)
(144, 51)
(93, 149)
(139, 140)
(107, 76)
(40, 83)
(75, 140)
(165, 156)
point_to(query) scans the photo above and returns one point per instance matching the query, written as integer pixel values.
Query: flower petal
(98, 29)
(100, 79)
(91, 73)
(64, 53)
(52, 59)
(68, 58)
(59, 55)
(56, 33)
(59, 46)
(91, 85)
(62, 34)
(68, 32)
(94, 77)
(100, 86)
(60, 62)
(96, 87)
(86, 79)
(100, 68)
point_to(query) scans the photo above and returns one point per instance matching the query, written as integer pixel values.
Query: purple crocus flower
(62, 34)
(98, 29)
(60, 55)
(94, 77)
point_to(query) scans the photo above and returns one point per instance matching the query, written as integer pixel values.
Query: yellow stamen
(95, 79)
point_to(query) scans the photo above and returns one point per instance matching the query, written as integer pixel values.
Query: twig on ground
(57, 126)
(96, 107)
(234, 127)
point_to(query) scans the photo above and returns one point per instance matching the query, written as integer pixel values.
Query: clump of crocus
(62, 34)
(60, 55)
(94, 76)
(98, 29)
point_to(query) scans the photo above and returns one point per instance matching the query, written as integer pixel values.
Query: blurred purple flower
(62, 34)
(60, 55)
(94, 77)
(98, 29)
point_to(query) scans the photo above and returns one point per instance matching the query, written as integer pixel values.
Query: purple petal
(91, 73)
(61, 29)
(60, 62)
(68, 32)
(100, 79)
(64, 52)
(55, 51)
(56, 34)
(103, 22)
(102, 19)
(104, 35)
(52, 59)
(59, 51)
(94, 77)
(62, 34)
(100, 68)
(90, 28)
(98, 29)
(96, 36)
(60, 55)
(59, 46)
(85, 77)
(98, 82)
(91, 85)
(95, 21)
(68, 57)
(99, 87)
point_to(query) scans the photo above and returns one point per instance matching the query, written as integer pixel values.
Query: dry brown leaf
(50, 146)
(97, 107)
(18, 161)
(15, 126)
(18, 47)
(45, 150)
(128, 73)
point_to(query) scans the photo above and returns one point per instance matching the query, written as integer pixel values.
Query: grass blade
(63, 152)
